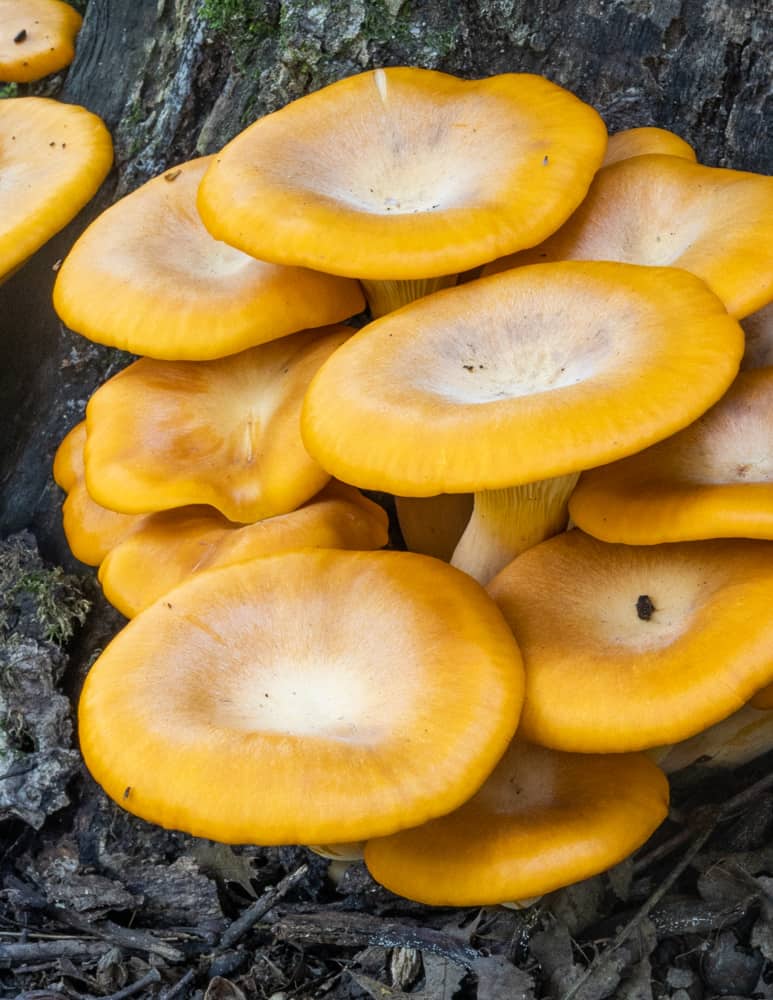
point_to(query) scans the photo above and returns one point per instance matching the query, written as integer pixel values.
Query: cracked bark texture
(177, 78)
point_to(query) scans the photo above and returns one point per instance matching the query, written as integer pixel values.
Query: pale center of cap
(327, 699)
(660, 243)
(732, 444)
(653, 612)
(178, 244)
(540, 355)
(405, 152)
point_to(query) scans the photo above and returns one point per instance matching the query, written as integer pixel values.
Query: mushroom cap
(712, 480)
(37, 37)
(758, 329)
(527, 375)
(641, 141)
(226, 433)
(147, 277)
(53, 157)
(183, 542)
(313, 697)
(667, 211)
(91, 530)
(629, 647)
(405, 173)
(730, 743)
(541, 821)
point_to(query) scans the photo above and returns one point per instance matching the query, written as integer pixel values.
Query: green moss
(243, 23)
(59, 602)
(307, 45)
(36, 598)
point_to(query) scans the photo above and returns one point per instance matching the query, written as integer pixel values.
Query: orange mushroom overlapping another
(520, 381)
(401, 175)
(184, 541)
(147, 277)
(712, 480)
(320, 697)
(664, 210)
(279, 192)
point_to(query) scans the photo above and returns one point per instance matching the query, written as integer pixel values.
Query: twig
(154, 976)
(260, 908)
(123, 937)
(359, 929)
(41, 951)
(179, 986)
(636, 920)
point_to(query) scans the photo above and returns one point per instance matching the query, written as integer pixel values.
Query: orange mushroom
(403, 175)
(664, 210)
(37, 37)
(641, 141)
(53, 157)
(712, 480)
(629, 647)
(166, 434)
(510, 385)
(91, 530)
(541, 821)
(183, 542)
(315, 697)
(147, 277)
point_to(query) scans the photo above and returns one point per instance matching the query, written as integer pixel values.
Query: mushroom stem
(350, 851)
(743, 736)
(507, 522)
(521, 904)
(434, 525)
(385, 296)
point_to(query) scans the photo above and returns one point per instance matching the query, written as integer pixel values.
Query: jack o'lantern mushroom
(183, 542)
(647, 139)
(630, 647)
(666, 211)
(90, 529)
(37, 37)
(542, 820)
(509, 386)
(314, 697)
(401, 175)
(714, 479)
(147, 277)
(167, 434)
(53, 157)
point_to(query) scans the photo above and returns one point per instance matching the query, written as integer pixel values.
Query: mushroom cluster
(375, 697)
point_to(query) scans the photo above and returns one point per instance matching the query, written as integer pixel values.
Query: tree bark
(178, 78)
